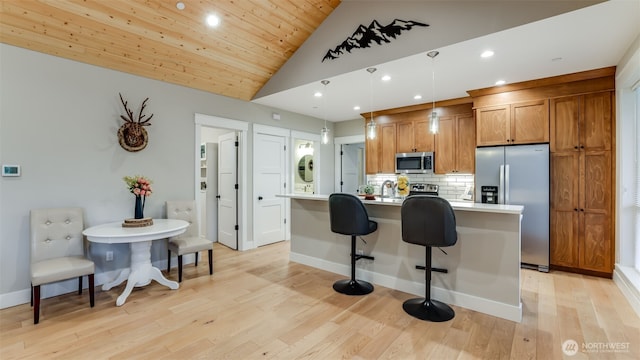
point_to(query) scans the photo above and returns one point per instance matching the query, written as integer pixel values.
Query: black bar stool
(428, 221)
(348, 216)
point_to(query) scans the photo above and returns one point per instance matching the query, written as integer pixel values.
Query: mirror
(305, 168)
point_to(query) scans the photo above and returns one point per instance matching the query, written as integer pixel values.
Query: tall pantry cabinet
(582, 182)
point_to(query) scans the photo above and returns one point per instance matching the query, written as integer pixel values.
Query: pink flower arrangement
(138, 185)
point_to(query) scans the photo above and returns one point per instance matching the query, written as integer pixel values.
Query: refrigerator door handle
(506, 184)
(501, 186)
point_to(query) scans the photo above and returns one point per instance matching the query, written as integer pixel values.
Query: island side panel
(484, 265)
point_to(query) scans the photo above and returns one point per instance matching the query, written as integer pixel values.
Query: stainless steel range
(424, 189)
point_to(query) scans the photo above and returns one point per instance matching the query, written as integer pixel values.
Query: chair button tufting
(47, 240)
(48, 222)
(68, 221)
(68, 237)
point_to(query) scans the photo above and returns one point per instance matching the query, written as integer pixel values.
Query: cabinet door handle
(217, 196)
(581, 146)
(575, 147)
(259, 197)
(582, 210)
(513, 140)
(574, 209)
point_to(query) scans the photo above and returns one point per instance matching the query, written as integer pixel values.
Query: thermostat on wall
(10, 170)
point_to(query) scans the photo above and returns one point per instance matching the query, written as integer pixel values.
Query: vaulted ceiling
(155, 39)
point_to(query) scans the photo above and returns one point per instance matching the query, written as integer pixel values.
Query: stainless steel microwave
(414, 163)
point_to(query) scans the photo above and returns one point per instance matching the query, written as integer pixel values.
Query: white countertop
(456, 205)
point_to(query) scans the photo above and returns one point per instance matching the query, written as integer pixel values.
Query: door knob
(259, 197)
(217, 196)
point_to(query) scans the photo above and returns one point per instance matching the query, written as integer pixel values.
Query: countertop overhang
(456, 205)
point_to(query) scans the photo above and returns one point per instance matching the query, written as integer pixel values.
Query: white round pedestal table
(141, 271)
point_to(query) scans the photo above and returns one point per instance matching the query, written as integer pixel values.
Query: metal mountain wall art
(364, 36)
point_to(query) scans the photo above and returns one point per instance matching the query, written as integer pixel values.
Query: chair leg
(210, 261)
(426, 308)
(79, 285)
(197, 258)
(31, 294)
(36, 304)
(168, 261)
(92, 299)
(179, 268)
(353, 286)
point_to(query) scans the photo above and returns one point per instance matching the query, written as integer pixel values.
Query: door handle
(217, 196)
(259, 197)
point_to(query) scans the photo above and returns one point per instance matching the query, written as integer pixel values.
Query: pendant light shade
(434, 119)
(371, 125)
(324, 133)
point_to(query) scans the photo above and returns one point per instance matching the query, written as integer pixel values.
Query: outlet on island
(109, 256)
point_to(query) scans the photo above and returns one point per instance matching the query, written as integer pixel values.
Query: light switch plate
(10, 170)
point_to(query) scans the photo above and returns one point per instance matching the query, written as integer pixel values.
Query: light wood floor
(258, 305)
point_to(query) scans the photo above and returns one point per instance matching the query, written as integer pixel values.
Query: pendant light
(324, 133)
(434, 120)
(371, 126)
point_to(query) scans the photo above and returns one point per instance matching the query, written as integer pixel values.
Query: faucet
(384, 185)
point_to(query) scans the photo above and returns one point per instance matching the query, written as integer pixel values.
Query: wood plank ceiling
(153, 39)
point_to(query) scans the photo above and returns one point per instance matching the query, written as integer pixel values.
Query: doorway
(240, 130)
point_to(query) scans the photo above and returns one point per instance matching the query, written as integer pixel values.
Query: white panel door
(349, 166)
(227, 192)
(269, 181)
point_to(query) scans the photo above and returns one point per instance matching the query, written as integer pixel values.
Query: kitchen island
(484, 265)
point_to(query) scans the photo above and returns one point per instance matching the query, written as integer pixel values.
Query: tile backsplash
(451, 187)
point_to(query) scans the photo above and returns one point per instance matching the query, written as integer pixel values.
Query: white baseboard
(628, 281)
(501, 310)
(68, 286)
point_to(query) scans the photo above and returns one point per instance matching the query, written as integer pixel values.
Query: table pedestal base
(140, 273)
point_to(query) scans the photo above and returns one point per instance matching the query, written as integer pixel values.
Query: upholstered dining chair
(57, 251)
(190, 241)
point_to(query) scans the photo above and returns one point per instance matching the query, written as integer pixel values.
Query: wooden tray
(137, 222)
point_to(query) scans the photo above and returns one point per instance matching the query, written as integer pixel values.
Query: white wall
(58, 120)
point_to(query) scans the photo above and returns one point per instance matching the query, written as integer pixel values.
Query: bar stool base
(352, 287)
(430, 310)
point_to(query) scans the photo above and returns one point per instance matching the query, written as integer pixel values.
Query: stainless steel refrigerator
(519, 175)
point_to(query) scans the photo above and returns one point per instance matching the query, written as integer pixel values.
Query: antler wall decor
(132, 135)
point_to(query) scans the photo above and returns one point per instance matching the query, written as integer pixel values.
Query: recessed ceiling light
(486, 54)
(317, 94)
(180, 5)
(417, 97)
(386, 78)
(213, 20)
(500, 82)
(356, 107)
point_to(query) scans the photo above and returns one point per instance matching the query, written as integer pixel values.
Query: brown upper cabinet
(509, 124)
(414, 136)
(455, 145)
(381, 151)
(581, 122)
(406, 130)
